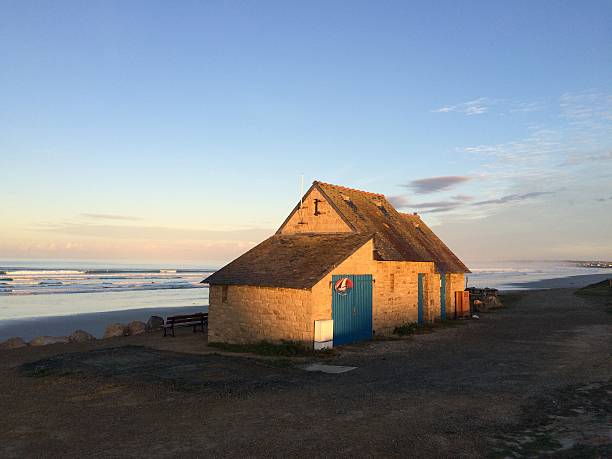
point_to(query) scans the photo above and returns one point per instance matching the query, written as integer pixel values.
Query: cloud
(485, 105)
(110, 217)
(463, 197)
(399, 201)
(434, 184)
(155, 233)
(461, 201)
(472, 107)
(512, 198)
(525, 107)
(403, 202)
(576, 159)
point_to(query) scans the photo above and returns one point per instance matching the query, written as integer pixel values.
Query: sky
(177, 132)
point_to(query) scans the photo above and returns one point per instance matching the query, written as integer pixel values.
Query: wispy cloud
(462, 197)
(512, 198)
(141, 232)
(524, 107)
(484, 105)
(472, 107)
(435, 184)
(462, 201)
(110, 217)
(577, 159)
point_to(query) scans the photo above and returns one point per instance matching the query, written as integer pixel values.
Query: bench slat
(186, 320)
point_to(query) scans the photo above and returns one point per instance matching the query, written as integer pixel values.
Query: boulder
(13, 343)
(493, 302)
(46, 340)
(154, 323)
(479, 306)
(115, 330)
(80, 336)
(136, 327)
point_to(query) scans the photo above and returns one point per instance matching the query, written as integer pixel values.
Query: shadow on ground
(187, 372)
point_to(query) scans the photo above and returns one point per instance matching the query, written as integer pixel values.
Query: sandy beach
(565, 282)
(95, 323)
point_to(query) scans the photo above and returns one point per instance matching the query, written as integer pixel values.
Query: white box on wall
(324, 334)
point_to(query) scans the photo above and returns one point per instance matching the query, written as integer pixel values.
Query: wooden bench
(188, 320)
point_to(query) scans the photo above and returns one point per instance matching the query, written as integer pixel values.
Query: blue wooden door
(352, 308)
(442, 296)
(420, 304)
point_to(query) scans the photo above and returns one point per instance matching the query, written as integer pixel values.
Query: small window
(224, 294)
(316, 207)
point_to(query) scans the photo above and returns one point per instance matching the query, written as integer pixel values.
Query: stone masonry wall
(394, 293)
(454, 283)
(360, 262)
(327, 221)
(253, 314)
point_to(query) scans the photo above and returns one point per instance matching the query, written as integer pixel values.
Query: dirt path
(530, 380)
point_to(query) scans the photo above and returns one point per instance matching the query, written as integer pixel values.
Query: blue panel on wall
(442, 296)
(352, 308)
(420, 306)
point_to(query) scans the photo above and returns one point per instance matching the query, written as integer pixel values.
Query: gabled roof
(290, 261)
(445, 260)
(396, 238)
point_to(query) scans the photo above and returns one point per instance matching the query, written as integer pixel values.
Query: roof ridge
(318, 182)
(409, 214)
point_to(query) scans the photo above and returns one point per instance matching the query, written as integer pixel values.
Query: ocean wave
(41, 272)
(100, 288)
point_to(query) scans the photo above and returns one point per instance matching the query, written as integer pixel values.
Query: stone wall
(327, 220)
(253, 314)
(360, 262)
(394, 293)
(454, 283)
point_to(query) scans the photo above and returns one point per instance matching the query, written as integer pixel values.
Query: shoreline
(91, 322)
(96, 322)
(573, 282)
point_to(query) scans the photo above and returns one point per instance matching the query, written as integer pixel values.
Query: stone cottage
(342, 254)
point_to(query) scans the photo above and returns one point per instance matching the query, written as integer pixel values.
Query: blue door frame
(420, 305)
(352, 311)
(442, 296)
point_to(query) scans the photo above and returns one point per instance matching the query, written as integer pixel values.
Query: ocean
(95, 294)
(530, 274)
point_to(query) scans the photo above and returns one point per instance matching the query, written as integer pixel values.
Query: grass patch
(406, 329)
(43, 369)
(284, 349)
(413, 328)
(603, 288)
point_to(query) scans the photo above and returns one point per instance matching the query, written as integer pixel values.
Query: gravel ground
(531, 380)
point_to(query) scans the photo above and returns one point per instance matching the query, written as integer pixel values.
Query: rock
(154, 323)
(80, 336)
(46, 340)
(493, 302)
(136, 327)
(479, 306)
(13, 343)
(115, 330)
